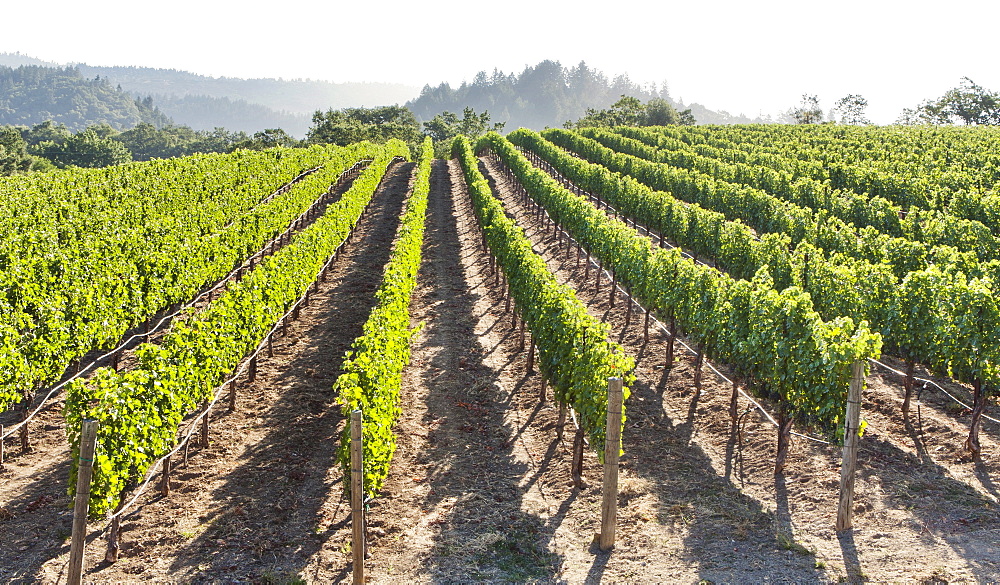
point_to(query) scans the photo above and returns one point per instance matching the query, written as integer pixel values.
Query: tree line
(969, 103)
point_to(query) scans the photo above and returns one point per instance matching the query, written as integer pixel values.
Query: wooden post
(252, 373)
(733, 401)
(612, 449)
(204, 427)
(908, 383)
(645, 334)
(85, 470)
(670, 342)
(850, 460)
(165, 482)
(357, 497)
(531, 356)
(614, 288)
(561, 423)
(577, 467)
(25, 438)
(232, 396)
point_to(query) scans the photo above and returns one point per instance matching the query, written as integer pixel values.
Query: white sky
(743, 57)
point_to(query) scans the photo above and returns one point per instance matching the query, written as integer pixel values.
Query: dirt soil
(480, 489)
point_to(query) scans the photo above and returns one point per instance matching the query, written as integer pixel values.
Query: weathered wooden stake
(165, 481)
(645, 334)
(733, 401)
(908, 385)
(612, 450)
(670, 341)
(270, 344)
(531, 356)
(204, 427)
(577, 467)
(614, 288)
(358, 542)
(232, 396)
(851, 438)
(85, 470)
(561, 423)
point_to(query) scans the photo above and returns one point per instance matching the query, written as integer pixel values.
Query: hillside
(301, 96)
(198, 101)
(545, 95)
(202, 112)
(32, 94)
(548, 95)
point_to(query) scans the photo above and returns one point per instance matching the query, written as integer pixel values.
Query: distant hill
(547, 95)
(32, 94)
(250, 105)
(298, 96)
(202, 112)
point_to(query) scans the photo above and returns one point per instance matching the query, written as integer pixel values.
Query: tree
(146, 141)
(659, 112)
(85, 149)
(808, 111)
(14, 155)
(350, 125)
(268, 138)
(852, 110)
(629, 111)
(444, 127)
(969, 102)
(972, 104)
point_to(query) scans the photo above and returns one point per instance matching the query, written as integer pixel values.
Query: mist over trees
(32, 94)
(550, 95)
(629, 111)
(547, 94)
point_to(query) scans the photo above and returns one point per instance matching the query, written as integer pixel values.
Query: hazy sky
(743, 57)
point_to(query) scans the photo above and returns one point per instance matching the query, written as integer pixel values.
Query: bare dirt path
(708, 506)
(34, 505)
(261, 499)
(480, 488)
